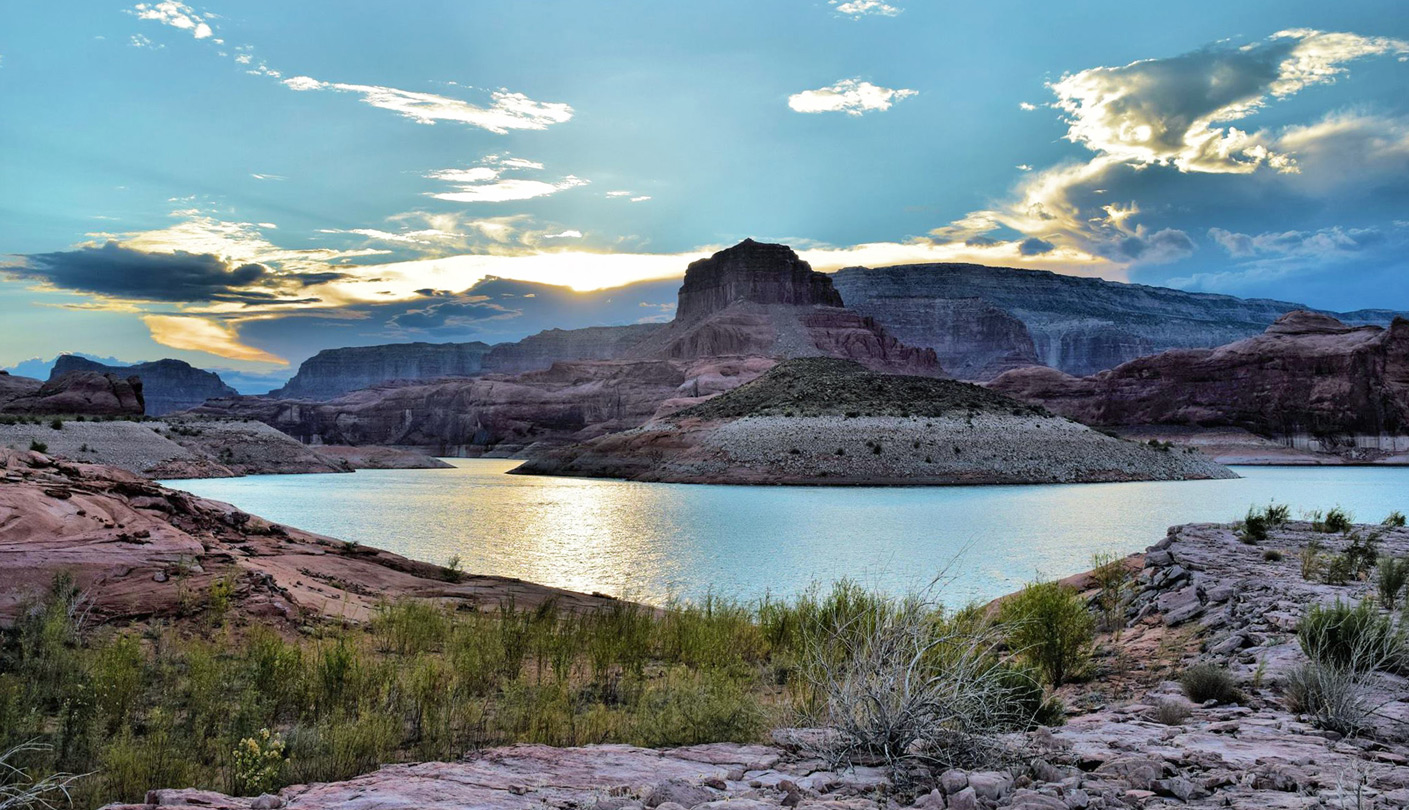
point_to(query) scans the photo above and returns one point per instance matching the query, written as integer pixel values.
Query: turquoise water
(653, 541)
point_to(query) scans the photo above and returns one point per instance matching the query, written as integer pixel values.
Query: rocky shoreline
(1132, 739)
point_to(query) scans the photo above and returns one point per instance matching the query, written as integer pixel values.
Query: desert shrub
(56, 423)
(38, 446)
(1112, 579)
(455, 569)
(1394, 519)
(1362, 553)
(255, 764)
(1390, 578)
(1355, 638)
(1333, 697)
(908, 685)
(1311, 561)
(1337, 569)
(1048, 625)
(21, 787)
(1171, 712)
(1204, 682)
(1337, 520)
(1272, 555)
(1259, 522)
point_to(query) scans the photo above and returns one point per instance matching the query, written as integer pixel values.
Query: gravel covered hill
(829, 421)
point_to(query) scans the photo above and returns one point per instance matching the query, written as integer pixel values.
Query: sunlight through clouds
(508, 111)
(205, 335)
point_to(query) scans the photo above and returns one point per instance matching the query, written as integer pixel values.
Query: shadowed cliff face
(1078, 325)
(167, 385)
(755, 272)
(1307, 375)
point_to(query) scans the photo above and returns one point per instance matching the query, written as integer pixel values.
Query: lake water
(653, 541)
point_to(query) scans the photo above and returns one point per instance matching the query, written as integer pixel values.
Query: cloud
(571, 233)
(1175, 111)
(507, 111)
(1320, 243)
(450, 313)
(1151, 122)
(1026, 106)
(640, 198)
(1032, 246)
(139, 41)
(857, 9)
(176, 15)
(124, 272)
(851, 96)
(204, 335)
(487, 183)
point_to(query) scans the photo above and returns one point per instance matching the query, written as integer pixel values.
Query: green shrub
(1272, 555)
(1390, 579)
(1311, 561)
(1172, 712)
(56, 423)
(1362, 553)
(1337, 569)
(455, 569)
(1112, 578)
(1259, 522)
(38, 446)
(1337, 520)
(1204, 682)
(1048, 625)
(1394, 519)
(1355, 638)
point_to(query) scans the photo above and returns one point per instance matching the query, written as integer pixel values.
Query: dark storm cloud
(1167, 245)
(123, 272)
(446, 313)
(1032, 246)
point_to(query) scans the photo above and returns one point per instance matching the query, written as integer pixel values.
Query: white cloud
(508, 111)
(1027, 107)
(487, 183)
(851, 96)
(619, 193)
(1324, 242)
(176, 15)
(258, 176)
(571, 233)
(140, 41)
(641, 198)
(1175, 111)
(865, 8)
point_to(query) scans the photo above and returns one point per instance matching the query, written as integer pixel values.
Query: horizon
(241, 186)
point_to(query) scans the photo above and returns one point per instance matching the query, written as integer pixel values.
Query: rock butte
(167, 385)
(829, 421)
(77, 392)
(1308, 383)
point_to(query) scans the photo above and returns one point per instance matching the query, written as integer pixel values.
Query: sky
(241, 184)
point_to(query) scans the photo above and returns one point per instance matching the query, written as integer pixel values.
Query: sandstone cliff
(87, 393)
(1077, 325)
(540, 351)
(828, 421)
(752, 271)
(1309, 381)
(167, 385)
(332, 372)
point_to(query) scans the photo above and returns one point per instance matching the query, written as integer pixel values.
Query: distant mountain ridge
(970, 315)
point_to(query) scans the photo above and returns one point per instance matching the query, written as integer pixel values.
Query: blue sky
(242, 184)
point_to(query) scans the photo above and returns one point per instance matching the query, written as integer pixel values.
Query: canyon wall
(167, 385)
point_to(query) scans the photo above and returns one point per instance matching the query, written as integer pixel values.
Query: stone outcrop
(831, 422)
(142, 551)
(1077, 325)
(1309, 381)
(333, 372)
(167, 385)
(756, 272)
(87, 393)
(757, 299)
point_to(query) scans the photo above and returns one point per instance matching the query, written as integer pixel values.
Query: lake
(656, 541)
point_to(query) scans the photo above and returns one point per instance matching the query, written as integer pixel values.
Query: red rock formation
(752, 271)
(1308, 375)
(139, 550)
(77, 392)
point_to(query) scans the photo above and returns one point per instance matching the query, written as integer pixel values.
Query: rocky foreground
(144, 551)
(1132, 740)
(828, 421)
